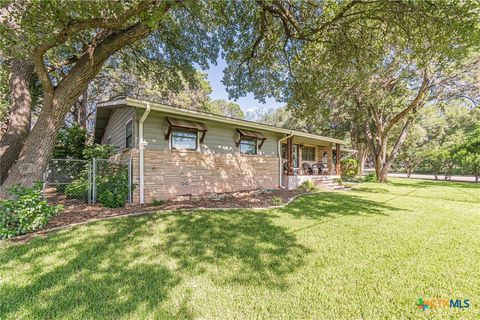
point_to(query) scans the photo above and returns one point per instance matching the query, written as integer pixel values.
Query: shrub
(26, 212)
(103, 151)
(338, 181)
(112, 186)
(158, 202)
(77, 189)
(371, 177)
(308, 186)
(276, 201)
(349, 167)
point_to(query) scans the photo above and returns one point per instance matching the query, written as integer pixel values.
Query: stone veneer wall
(172, 173)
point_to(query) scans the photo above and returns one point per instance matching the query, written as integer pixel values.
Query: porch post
(338, 170)
(330, 160)
(290, 156)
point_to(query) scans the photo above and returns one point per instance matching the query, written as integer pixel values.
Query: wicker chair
(307, 168)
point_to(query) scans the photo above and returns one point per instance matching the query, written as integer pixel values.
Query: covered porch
(305, 159)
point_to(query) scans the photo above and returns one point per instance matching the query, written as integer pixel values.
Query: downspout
(141, 147)
(279, 150)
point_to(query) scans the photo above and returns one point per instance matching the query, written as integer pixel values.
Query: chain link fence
(104, 181)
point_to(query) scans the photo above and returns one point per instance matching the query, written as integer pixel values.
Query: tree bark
(19, 120)
(57, 101)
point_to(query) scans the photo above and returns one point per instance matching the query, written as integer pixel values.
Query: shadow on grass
(96, 279)
(245, 245)
(98, 270)
(335, 204)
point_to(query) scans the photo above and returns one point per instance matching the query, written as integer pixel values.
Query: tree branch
(414, 104)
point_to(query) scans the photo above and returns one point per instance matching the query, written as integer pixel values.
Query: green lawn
(369, 253)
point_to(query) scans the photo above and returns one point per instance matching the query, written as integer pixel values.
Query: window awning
(253, 135)
(187, 125)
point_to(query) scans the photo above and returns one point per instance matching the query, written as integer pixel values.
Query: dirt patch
(76, 211)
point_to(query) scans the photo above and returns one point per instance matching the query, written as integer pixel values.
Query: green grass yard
(369, 253)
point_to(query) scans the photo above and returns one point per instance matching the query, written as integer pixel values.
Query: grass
(369, 253)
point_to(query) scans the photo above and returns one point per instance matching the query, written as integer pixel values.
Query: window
(248, 146)
(183, 139)
(308, 153)
(129, 134)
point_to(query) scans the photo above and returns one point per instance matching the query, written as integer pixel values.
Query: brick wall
(172, 173)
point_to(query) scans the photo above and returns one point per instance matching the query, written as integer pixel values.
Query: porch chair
(307, 168)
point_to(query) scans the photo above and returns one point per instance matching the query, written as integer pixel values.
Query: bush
(371, 177)
(77, 189)
(112, 186)
(338, 181)
(158, 202)
(26, 212)
(277, 201)
(308, 186)
(103, 151)
(349, 167)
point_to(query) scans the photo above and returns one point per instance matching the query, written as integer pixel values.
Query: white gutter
(141, 147)
(280, 164)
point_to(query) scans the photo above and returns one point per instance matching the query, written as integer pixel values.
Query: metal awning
(252, 135)
(187, 125)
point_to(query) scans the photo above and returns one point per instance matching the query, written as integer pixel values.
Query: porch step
(325, 184)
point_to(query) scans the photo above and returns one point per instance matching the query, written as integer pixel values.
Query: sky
(248, 103)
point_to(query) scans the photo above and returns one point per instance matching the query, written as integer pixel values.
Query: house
(178, 152)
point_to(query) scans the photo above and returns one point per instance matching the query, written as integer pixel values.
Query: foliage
(77, 189)
(158, 202)
(71, 143)
(308, 186)
(112, 185)
(370, 177)
(26, 212)
(372, 63)
(468, 153)
(338, 181)
(226, 108)
(98, 151)
(349, 168)
(277, 201)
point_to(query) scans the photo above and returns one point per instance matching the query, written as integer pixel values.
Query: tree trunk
(19, 121)
(362, 157)
(39, 145)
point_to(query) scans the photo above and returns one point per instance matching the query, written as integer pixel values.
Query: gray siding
(116, 127)
(220, 137)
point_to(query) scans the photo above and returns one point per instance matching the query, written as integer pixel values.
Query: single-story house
(178, 152)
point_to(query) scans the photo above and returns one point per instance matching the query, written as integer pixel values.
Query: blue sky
(248, 103)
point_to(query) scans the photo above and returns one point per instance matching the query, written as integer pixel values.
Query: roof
(131, 102)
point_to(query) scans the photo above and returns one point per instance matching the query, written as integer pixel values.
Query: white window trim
(171, 148)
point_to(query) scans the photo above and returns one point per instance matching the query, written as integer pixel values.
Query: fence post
(94, 180)
(129, 179)
(89, 169)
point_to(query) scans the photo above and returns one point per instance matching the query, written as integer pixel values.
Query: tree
(412, 152)
(226, 108)
(468, 153)
(69, 43)
(379, 60)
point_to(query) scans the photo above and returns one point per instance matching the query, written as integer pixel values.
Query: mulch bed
(77, 211)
